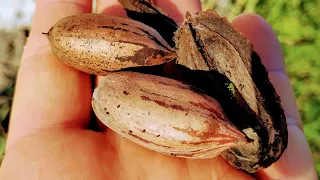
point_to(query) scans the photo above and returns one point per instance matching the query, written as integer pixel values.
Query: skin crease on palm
(48, 136)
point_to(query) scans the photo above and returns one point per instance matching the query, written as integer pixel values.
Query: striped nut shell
(164, 115)
(98, 44)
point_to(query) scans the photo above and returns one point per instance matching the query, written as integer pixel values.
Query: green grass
(296, 23)
(5, 105)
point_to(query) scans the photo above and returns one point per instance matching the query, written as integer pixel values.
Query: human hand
(49, 136)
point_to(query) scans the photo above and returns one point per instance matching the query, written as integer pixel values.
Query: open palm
(49, 136)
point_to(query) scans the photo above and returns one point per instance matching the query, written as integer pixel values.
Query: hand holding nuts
(220, 100)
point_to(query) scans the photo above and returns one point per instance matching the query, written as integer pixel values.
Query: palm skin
(82, 154)
(49, 136)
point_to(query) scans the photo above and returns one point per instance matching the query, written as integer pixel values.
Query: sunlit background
(296, 23)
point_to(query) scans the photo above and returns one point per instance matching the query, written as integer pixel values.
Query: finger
(296, 160)
(178, 8)
(48, 93)
(110, 7)
(264, 40)
(268, 47)
(216, 168)
(175, 9)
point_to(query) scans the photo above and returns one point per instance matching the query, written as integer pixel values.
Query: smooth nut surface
(98, 44)
(164, 115)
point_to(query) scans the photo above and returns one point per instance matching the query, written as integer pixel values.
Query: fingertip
(177, 9)
(263, 38)
(46, 14)
(282, 84)
(266, 44)
(296, 161)
(111, 8)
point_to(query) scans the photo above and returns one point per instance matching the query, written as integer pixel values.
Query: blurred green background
(296, 22)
